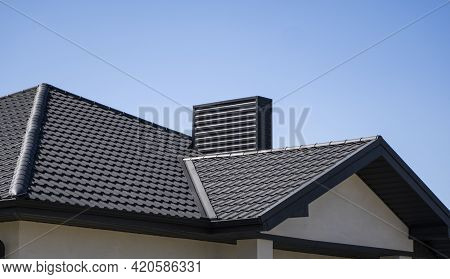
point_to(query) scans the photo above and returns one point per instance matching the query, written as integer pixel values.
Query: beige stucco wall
(333, 218)
(255, 249)
(39, 240)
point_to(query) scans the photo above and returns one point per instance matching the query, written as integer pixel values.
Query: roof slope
(15, 110)
(92, 156)
(61, 149)
(247, 185)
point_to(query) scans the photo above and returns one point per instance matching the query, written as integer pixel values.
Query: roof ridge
(304, 146)
(119, 112)
(18, 92)
(22, 172)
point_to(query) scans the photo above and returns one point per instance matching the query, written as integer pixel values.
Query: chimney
(233, 126)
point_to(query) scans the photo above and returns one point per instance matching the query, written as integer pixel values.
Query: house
(82, 180)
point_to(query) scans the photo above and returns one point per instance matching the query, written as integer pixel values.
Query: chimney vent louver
(233, 126)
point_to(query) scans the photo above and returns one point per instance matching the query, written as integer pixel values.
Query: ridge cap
(303, 146)
(22, 171)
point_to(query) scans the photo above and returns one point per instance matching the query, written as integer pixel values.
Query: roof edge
(332, 177)
(364, 139)
(25, 161)
(250, 98)
(428, 196)
(18, 92)
(292, 197)
(117, 111)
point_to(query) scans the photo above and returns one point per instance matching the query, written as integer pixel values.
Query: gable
(351, 213)
(247, 185)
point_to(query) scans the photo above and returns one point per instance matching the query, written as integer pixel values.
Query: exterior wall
(255, 249)
(38, 240)
(334, 219)
(9, 235)
(281, 254)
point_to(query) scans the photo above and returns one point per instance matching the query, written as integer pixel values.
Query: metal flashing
(193, 175)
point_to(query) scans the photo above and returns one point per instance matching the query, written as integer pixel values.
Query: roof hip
(25, 161)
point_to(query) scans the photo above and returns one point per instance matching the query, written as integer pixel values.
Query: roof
(246, 185)
(90, 155)
(15, 110)
(62, 154)
(272, 185)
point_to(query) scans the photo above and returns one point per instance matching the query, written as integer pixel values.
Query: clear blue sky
(202, 51)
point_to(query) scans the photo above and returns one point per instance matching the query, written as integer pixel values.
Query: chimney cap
(237, 100)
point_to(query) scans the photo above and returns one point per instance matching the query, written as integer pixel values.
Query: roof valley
(25, 161)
